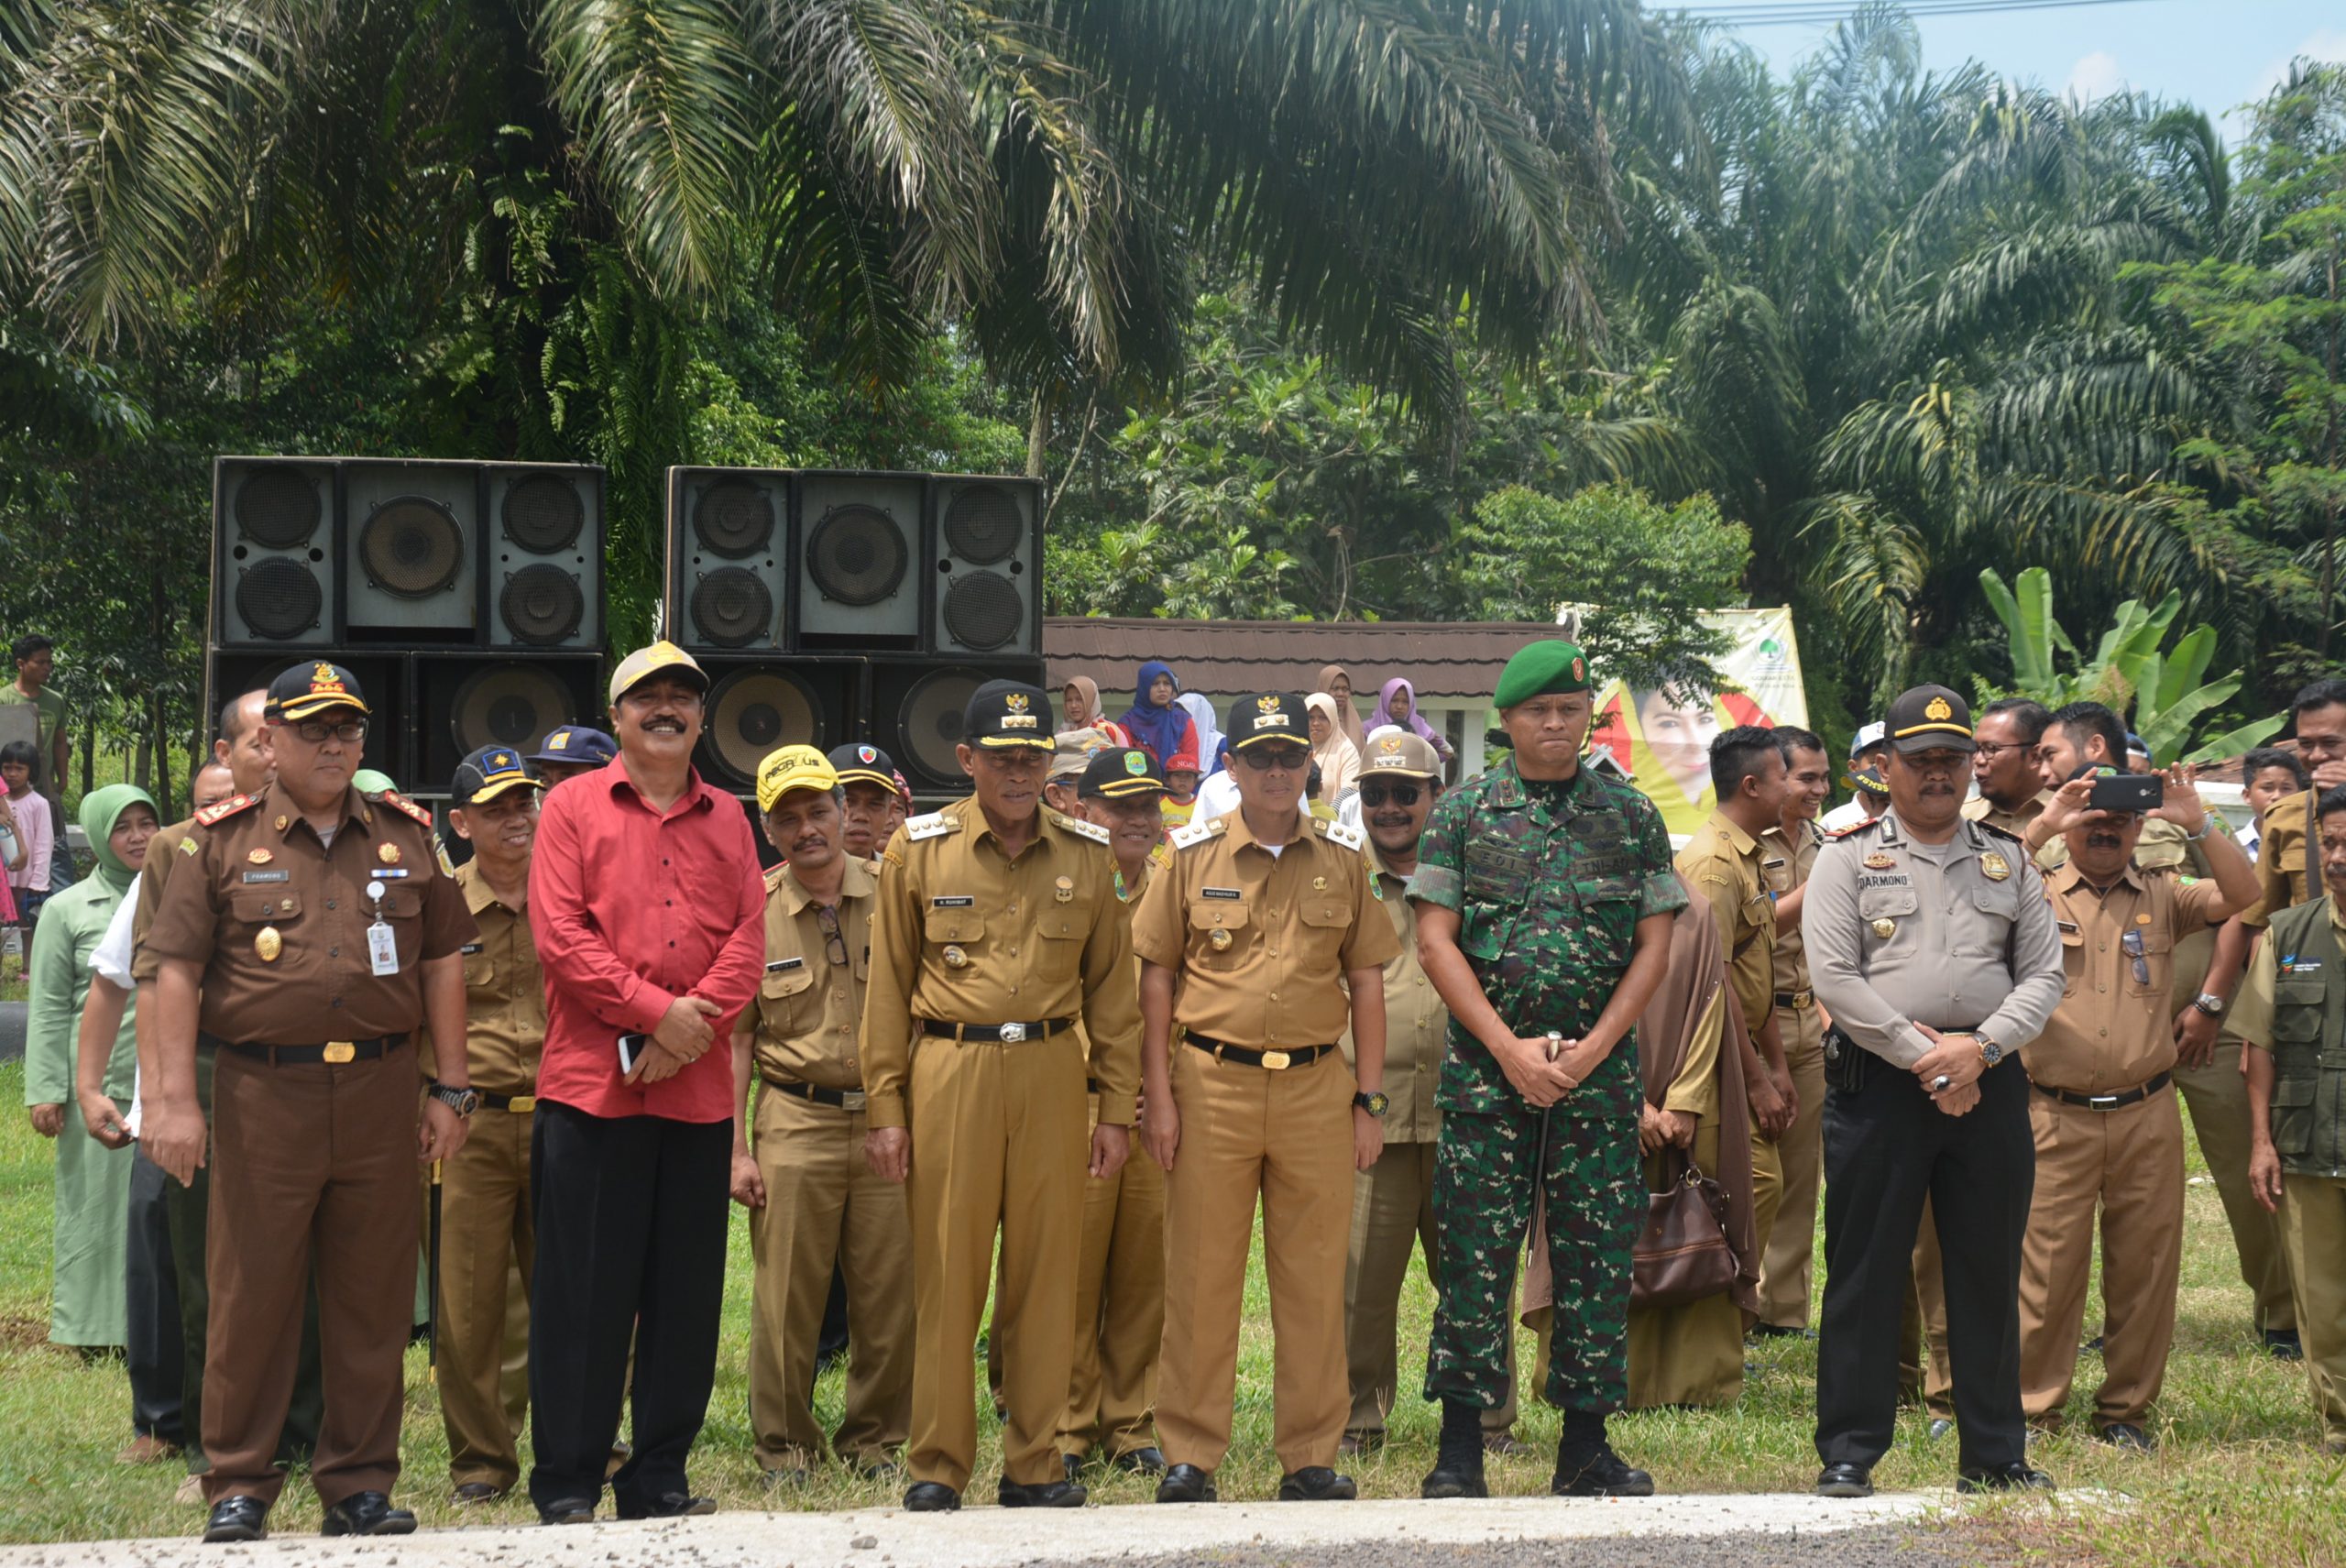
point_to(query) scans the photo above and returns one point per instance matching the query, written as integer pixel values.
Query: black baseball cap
(860, 761)
(1267, 716)
(489, 772)
(1929, 719)
(1003, 714)
(309, 689)
(1116, 772)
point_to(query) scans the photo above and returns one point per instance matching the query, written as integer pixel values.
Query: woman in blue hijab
(1155, 718)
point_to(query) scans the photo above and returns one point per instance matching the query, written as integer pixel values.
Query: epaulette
(2005, 833)
(936, 825)
(1337, 833)
(226, 809)
(1090, 830)
(1198, 832)
(398, 802)
(1160, 854)
(1856, 827)
(774, 877)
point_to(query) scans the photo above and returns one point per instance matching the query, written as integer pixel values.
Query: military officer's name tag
(2068, 926)
(779, 965)
(393, 873)
(1901, 880)
(469, 950)
(382, 950)
(954, 901)
(268, 877)
(1221, 893)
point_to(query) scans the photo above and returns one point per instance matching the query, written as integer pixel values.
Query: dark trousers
(632, 1217)
(1887, 1147)
(155, 1351)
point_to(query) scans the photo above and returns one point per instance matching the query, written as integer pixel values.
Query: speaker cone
(984, 610)
(930, 722)
(543, 514)
(982, 524)
(508, 705)
(734, 519)
(411, 547)
(277, 507)
(542, 605)
(731, 607)
(750, 712)
(279, 597)
(858, 555)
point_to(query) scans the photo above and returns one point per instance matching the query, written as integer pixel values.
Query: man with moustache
(647, 901)
(870, 809)
(1788, 851)
(1935, 954)
(816, 1203)
(488, 1235)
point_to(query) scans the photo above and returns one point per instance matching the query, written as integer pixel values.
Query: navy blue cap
(577, 743)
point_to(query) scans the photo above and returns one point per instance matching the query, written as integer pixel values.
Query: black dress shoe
(2126, 1435)
(1039, 1494)
(1185, 1484)
(2283, 1344)
(1844, 1480)
(1317, 1483)
(1149, 1461)
(1601, 1474)
(472, 1493)
(237, 1518)
(567, 1510)
(931, 1497)
(670, 1506)
(2019, 1475)
(367, 1513)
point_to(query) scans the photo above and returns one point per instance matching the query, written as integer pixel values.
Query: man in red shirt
(649, 916)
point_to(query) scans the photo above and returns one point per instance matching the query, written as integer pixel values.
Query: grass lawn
(2239, 1479)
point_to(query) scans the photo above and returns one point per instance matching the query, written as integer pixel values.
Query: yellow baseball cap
(794, 767)
(646, 663)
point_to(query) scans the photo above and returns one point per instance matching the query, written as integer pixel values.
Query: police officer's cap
(311, 688)
(1116, 772)
(1268, 716)
(1929, 719)
(860, 761)
(1006, 714)
(577, 743)
(489, 772)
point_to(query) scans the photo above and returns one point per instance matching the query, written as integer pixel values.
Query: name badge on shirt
(268, 877)
(779, 965)
(1221, 893)
(954, 901)
(382, 950)
(469, 948)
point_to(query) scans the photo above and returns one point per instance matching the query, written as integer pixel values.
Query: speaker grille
(982, 524)
(508, 705)
(542, 605)
(735, 518)
(543, 514)
(411, 547)
(279, 597)
(930, 722)
(751, 712)
(984, 610)
(277, 507)
(731, 607)
(858, 555)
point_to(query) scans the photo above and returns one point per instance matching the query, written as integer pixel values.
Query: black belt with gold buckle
(1798, 1001)
(2106, 1102)
(334, 1053)
(518, 1105)
(1004, 1034)
(1273, 1061)
(838, 1099)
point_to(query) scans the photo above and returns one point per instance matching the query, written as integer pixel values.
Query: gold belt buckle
(340, 1051)
(1803, 1000)
(521, 1103)
(1276, 1060)
(852, 1100)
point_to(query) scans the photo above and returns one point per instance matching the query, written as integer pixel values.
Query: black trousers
(631, 1219)
(1886, 1148)
(156, 1354)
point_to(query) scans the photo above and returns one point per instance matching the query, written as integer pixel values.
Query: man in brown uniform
(1787, 853)
(815, 1201)
(486, 1237)
(1265, 918)
(2108, 1133)
(993, 934)
(319, 933)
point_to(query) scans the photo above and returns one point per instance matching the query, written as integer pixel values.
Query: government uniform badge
(1994, 867)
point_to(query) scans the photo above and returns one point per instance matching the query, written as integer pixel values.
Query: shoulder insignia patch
(1854, 828)
(1161, 856)
(2004, 833)
(439, 853)
(1197, 833)
(936, 825)
(774, 877)
(1337, 833)
(1090, 830)
(226, 809)
(401, 803)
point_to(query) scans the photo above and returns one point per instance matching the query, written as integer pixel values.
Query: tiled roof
(1226, 658)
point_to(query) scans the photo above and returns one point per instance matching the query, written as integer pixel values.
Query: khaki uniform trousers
(825, 1207)
(997, 1147)
(1690, 1355)
(2216, 1097)
(1119, 1310)
(1788, 1245)
(2128, 1163)
(1287, 1138)
(487, 1251)
(1392, 1210)
(1767, 1179)
(2313, 1234)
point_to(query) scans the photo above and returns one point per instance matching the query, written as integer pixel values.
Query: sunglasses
(1399, 794)
(317, 731)
(1293, 762)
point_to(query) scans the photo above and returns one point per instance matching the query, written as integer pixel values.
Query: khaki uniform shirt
(1979, 808)
(505, 992)
(1723, 863)
(1787, 867)
(259, 882)
(1037, 936)
(1416, 1023)
(2281, 860)
(162, 854)
(1291, 925)
(2114, 1029)
(810, 1006)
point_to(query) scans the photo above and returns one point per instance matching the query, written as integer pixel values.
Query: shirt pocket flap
(1998, 898)
(954, 925)
(2073, 938)
(479, 969)
(402, 902)
(261, 908)
(787, 982)
(1062, 924)
(2297, 1025)
(1322, 911)
(2294, 1089)
(1218, 914)
(1876, 902)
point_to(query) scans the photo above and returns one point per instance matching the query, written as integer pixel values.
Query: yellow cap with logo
(794, 767)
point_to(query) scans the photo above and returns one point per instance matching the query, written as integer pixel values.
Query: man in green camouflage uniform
(1545, 896)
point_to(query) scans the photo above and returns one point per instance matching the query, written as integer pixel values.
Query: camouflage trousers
(1484, 1180)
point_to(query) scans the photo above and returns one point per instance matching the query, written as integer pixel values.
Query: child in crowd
(1181, 800)
(34, 831)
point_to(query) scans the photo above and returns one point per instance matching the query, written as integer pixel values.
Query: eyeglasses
(834, 944)
(1265, 761)
(1399, 794)
(1988, 750)
(317, 731)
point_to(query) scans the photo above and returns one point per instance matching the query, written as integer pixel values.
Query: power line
(1791, 13)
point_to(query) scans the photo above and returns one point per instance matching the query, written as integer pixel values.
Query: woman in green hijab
(86, 1300)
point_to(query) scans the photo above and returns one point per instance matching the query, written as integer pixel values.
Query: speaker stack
(467, 598)
(834, 605)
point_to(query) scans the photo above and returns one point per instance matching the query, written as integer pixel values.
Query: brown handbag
(1682, 1253)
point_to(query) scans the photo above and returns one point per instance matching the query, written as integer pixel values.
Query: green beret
(1551, 666)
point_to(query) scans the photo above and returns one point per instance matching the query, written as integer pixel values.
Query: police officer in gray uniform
(1933, 949)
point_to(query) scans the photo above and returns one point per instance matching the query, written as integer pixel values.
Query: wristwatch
(2210, 1003)
(1375, 1103)
(463, 1102)
(1990, 1053)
